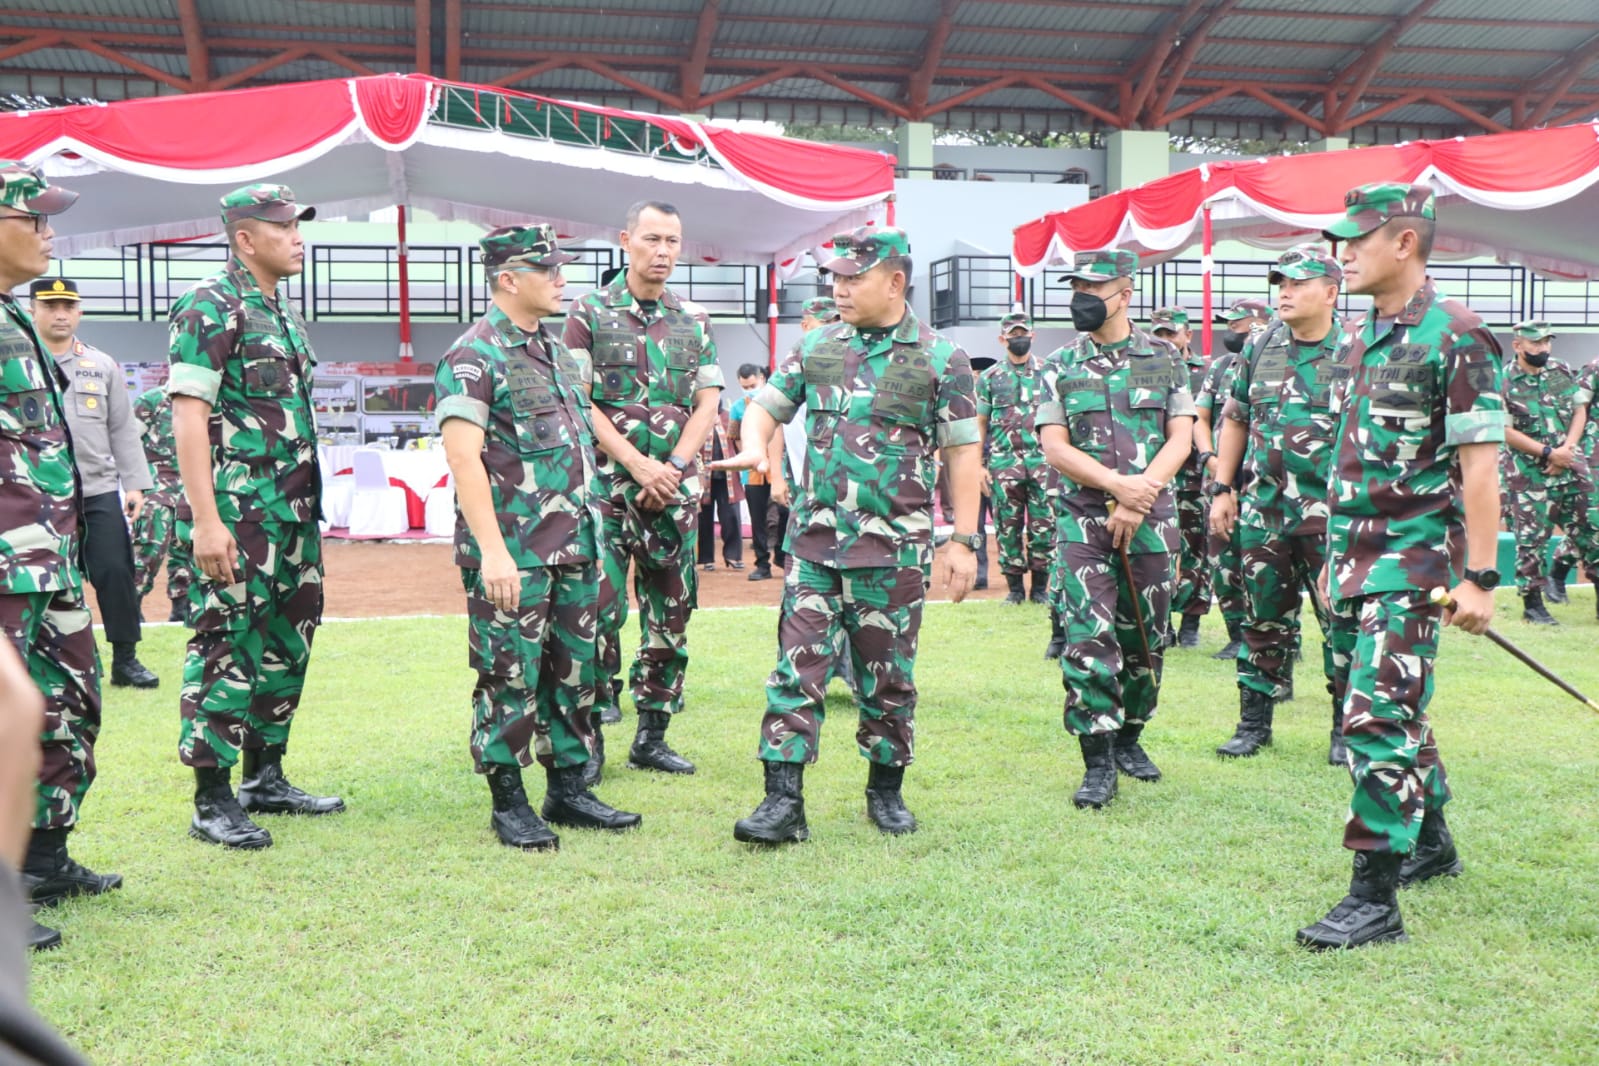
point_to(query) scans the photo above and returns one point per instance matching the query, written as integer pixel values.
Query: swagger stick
(1440, 596)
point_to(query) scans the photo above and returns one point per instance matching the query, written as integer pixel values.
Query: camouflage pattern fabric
(154, 529)
(251, 644)
(1369, 206)
(1024, 485)
(877, 613)
(1542, 405)
(1279, 570)
(54, 635)
(154, 539)
(1223, 558)
(535, 668)
(154, 411)
(864, 247)
(646, 366)
(1191, 593)
(1588, 445)
(1109, 680)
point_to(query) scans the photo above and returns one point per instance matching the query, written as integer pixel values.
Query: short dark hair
(901, 263)
(1426, 230)
(749, 370)
(640, 207)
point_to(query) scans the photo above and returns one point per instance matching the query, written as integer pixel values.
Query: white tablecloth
(421, 471)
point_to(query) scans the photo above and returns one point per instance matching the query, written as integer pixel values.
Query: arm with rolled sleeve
(1474, 425)
(201, 339)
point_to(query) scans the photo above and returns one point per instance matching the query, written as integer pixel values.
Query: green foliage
(1010, 929)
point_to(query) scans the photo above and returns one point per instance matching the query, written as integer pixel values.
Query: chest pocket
(267, 374)
(1003, 394)
(615, 355)
(904, 390)
(1087, 413)
(90, 404)
(1266, 379)
(1146, 392)
(536, 406)
(682, 351)
(25, 409)
(824, 378)
(1399, 402)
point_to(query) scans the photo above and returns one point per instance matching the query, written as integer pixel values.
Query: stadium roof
(1371, 70)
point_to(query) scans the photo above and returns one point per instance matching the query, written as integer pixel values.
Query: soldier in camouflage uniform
(42, 610)
(1413, 495)
(656, 384)
(882, 391)
(1191, 594)
(1118, 424)
(1277, 428)
(1544, 469)
(153, 530)
(1245, 318)
(514, 411)
(245, 433)
(1565, 559)
(1022, 485)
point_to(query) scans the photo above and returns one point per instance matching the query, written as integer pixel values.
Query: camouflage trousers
(661, 546)
(1534, 512)
(1111, 670)
(154, 533)
(535, 668)
(1191, 593)
(1383, 647)
(1278, 569)
(1024, 515)
(880, 612)
(1226, 574)
(251, 644)
(54, 635)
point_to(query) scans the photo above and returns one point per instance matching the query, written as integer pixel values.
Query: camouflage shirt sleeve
(1474, 411)
(1050, 411)
(784, 391)
(709, 375)
(200, 340)
(577, 335)
(1179, 401)
(985, 394)
(957, 402)
(464, 387)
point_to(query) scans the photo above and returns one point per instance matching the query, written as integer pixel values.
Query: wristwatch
(678, 463)
(1547, 452)
(1205, 457)
(971, 540)
(1486, 579)
(1219, 487)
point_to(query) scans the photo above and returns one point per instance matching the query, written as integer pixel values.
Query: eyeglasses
(40, 223)
(546, 271)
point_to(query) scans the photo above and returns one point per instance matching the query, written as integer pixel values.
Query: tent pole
(771, 318)
(405, 292)
(1017, 306)
(1206, 264)
(890, 202)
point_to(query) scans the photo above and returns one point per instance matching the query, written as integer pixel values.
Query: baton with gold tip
(1440, 596)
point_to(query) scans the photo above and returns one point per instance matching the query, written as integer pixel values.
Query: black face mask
(1019, 345)
(1088, 312)
(1234, 342)
(1535, 359)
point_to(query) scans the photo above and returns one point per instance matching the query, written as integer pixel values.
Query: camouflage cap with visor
(821, 308)
(1242, 308)
(513, 246)
(1168, 319)
(1533, 330)
(1303, 262)
(1102, 264)
(1016, 320)
(269, 203)
(861, 249)
(24, 188)
(1369, 206)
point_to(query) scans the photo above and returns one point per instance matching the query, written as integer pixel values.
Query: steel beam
(1372, 57)
(692, 74)
(194, 45)
(921, 79)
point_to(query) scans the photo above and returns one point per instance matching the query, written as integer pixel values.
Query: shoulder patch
(467, 371)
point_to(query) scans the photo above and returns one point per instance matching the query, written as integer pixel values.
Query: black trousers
(720, 508)
(768, 521)
(108, 557)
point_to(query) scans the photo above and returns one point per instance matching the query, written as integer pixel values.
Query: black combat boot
(218, 818)
(1369, 914)
(1533, 612)
(1131, 759)
(981, 582)
(50, 875)
(594, 769)
(1435, 854)
(179, 612)
(1188, 633)
(1254, 725)
(884, 804)
(780, 818)
(1099, 777)
(126, 669)
(1057, 638)
(1040, 587)
(611, 712)
(1557, 582)
(1017, 594)
(513, 820)
(567, 802)
(1235, 640)
(42, 937)
(1337, 751)
(264, 789)
(649, 746)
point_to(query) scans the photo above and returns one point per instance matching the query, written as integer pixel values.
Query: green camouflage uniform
(1222, 554)
(1418, 388)
(1281, 391)
(1588, 446)
(153, 530)
(535, 665)
(1114, 401)
(42, 610)
(1542, 405)
(1025, 486)
(1191, 593)
(648, 365)
(245, 353)
(879, 403)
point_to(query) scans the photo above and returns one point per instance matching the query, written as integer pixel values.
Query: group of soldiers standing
(1355, 465)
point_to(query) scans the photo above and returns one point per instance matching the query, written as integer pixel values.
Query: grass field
(1011, 929)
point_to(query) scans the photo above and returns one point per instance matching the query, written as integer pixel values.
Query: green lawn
(1011, 928)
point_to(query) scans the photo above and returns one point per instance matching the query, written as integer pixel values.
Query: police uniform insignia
(91, 403)
(86, 362)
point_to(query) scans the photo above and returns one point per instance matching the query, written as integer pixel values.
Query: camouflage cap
(1303, 262)
(1102, 264)
(1369, 206)
(821, 308)
(1242, 308)
(269, 203)
(1533, 330)
(858, 251)
(25, 188)
(54, 289)
(522, 246)
(1016, 320)
(1168, 318)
